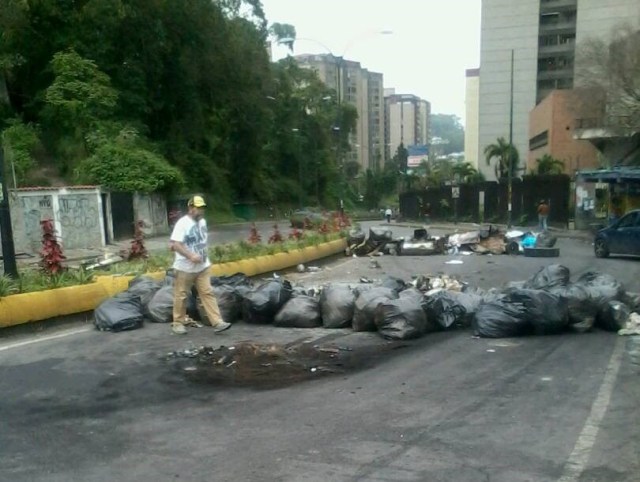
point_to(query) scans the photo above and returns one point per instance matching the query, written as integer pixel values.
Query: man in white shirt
(191, 266)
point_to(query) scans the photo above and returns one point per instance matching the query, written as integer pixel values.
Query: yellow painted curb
(42, 305)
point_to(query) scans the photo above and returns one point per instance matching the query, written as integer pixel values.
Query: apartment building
(541, 37)
(471, 117)
(407, 121)
(551, 128)
(362, 89)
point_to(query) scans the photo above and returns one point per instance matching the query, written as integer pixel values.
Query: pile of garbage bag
(547, 303)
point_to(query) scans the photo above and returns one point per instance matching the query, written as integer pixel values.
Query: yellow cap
(197, 201)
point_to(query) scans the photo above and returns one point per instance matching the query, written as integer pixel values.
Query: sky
(432, 44)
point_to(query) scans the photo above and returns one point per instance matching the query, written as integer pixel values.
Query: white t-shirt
(388, 212)
(194, 237)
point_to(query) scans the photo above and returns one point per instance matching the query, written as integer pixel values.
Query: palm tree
(503, 151)
(548, 164)
(464, 171)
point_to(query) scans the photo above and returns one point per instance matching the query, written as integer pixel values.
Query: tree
(20, 141)
(503, 152)
(448, 127)
(608, 78)
(284, 33)
(547, 164)
(124, 164)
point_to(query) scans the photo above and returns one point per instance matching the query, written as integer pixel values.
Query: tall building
(542, 36)
(472, 104)
(407, 121)
(362, 89)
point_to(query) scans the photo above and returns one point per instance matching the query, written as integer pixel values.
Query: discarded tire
(513, 248)
(542, 252)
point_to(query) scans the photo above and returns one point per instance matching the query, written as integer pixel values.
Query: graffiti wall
(80, 219)
(77, 216)
(26, 214)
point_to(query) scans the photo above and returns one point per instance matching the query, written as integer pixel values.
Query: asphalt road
(80, 405)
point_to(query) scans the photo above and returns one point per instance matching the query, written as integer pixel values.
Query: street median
(43, 305)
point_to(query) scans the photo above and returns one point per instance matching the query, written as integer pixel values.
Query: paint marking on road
(577, 461)
(45, 338)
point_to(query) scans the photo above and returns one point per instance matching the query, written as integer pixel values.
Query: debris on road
(549, 302)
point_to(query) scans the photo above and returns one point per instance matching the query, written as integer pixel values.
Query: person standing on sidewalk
(191, 265)
(543, 214)
(387, 214)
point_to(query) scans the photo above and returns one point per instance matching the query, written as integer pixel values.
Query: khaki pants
(183, 284)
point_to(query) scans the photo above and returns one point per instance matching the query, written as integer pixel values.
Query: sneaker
(223, 325)
(178, 329)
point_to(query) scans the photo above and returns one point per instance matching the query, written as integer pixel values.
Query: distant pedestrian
(387, 214)
(543, 214)
(191, 266)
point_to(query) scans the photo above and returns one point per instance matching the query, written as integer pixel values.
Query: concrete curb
(43, 305)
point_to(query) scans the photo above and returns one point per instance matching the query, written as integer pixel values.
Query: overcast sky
(432, 44)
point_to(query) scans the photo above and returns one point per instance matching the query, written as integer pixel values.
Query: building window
(539, 141)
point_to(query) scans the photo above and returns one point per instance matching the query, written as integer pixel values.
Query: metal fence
(488, 201)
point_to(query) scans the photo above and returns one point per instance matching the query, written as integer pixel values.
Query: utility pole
(509, 159)
(6, 233)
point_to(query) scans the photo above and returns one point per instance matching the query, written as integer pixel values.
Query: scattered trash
(491, 350)
(300, 268)
(314, 269)
(454, 261)
(632, 326)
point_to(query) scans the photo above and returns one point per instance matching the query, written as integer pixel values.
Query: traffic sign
(455, 192)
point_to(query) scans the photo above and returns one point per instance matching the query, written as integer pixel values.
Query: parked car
(314, 218)
(621, 237)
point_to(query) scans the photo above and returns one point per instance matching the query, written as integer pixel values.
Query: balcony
(552, 50)
(558, 27)
(548, 6)
(558, 74)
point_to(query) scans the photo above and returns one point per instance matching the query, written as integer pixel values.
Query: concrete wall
(152, 209)
(597, 18)
(76, 212)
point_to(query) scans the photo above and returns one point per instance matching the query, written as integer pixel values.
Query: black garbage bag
(260, 305)
(144, 287)
(500, 319)
(549, 277)
(400, 319)
(299, 312)
(366, 303)
(582, 309)
(232, 280)
(548, 313)
(413, 293)
(602, 288)
(120, 313)
(355, 236)
(380, 235)
(160, 308)
(229, 303)
(396, 284)
(545, 240)
(613, 316)
(336, 306)
(449, 309)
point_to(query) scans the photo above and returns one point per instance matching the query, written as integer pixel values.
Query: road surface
(80, 405)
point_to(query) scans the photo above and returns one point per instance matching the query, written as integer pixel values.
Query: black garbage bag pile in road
(547, 303)
(152, 300)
